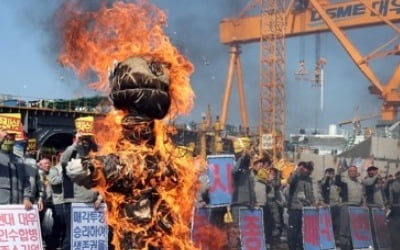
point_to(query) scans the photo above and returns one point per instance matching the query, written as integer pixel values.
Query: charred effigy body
(138, 181)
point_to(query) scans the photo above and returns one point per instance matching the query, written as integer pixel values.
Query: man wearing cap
(301, 195)
(15, 187)
(373, 187)
(394, 211)
(351, 193)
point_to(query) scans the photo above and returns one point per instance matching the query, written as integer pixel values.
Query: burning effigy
(148, 187)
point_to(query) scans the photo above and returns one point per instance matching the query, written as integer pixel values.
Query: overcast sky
(29, 68)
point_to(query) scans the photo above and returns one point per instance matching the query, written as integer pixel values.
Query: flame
(211, 237)
(91, 41)
(179, 197)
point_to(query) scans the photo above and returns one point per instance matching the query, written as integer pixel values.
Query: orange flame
(93, 40)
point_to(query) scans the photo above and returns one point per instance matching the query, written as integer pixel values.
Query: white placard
(20, 228)
(89, 230)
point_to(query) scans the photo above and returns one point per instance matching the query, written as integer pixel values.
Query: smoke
(193, 26)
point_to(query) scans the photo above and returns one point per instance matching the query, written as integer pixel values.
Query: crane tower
(272, 77)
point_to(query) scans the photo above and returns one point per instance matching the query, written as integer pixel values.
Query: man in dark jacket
(394, 211)
(71, 191)
(301, 195)
(329, 195)
(351, 193)
(14, 181)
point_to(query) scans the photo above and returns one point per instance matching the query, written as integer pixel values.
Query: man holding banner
(14, 181)
(301, 195)
(394, 211)
(351, 193)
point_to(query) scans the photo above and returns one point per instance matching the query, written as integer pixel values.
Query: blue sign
(310, 228)
(200, 220)
(326, 237)
(382, 239)
(360, 227)
(219, 172)
(251, 229)
(89, 230)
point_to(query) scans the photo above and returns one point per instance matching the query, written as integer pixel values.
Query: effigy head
(140, 86)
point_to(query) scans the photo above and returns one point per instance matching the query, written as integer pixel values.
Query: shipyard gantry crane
(277, 22)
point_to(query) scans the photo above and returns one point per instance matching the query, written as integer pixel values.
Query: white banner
(19, 228)
(89, 230)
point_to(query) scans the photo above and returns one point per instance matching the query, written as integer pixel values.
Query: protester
(274, 202)
(329, 196)
(15, 187)
(300, 195)
(373, 188)
(55, 182)
(351, 193)
(72, 192)
(51, 238)
(259, 183)
(243, 190)
(37, 187)
(393, 213)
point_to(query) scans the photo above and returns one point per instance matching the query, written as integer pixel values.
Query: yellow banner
(84, 125)
(241, 143)
(10, 122)
(32, 146)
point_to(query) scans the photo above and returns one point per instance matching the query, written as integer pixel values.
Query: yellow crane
(276, 22)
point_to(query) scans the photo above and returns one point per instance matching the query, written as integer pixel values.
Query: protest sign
(84, 125)
(310, 228)
(10, 122)
(360, 227)
(219, 172)
(89, 230)
(251, 227)
(382, 238)
(200, 219)
(326, 237)
(19, 228)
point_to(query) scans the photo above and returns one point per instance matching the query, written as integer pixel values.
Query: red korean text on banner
(311, 228)
(251, 229)
(360, 227)
(219, 172)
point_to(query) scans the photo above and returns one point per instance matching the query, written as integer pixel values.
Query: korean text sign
(360, 227)
(19, 228)
(220, 169)
(381, 228)
(311, 229)
(326, 237)
(200, 221)
(251, 229)
(89, 230)
(317, 228)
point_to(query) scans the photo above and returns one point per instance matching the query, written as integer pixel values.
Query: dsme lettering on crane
(349, 10)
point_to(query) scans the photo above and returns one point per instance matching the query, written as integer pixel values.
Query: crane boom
(335, 18)
(347, 15)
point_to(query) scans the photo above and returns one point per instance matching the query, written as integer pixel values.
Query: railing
(92, 104)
